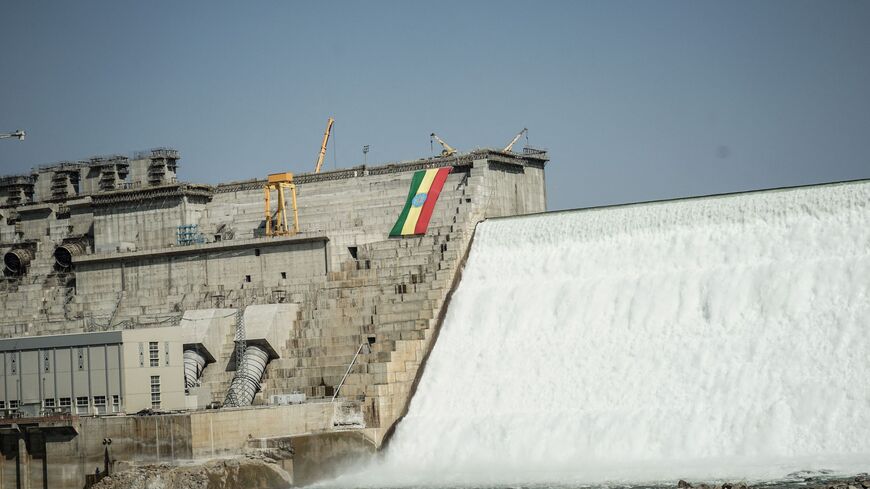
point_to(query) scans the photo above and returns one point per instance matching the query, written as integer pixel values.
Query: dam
(150, 320)
(434, 312)
(714, 338)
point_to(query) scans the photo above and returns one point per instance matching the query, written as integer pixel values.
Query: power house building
(93, 373)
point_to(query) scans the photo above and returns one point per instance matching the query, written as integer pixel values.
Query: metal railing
(349, 367)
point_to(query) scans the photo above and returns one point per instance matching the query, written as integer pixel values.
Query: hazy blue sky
(635, 100)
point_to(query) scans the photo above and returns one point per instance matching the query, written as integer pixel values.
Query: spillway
(716, 337)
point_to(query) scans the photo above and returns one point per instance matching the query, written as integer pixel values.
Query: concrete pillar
(8, 461)
(17, 471)
(35, 446)
(23, 465)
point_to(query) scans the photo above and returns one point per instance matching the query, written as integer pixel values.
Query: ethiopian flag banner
(425, 187)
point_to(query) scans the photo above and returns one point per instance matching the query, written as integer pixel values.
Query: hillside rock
(250, 473)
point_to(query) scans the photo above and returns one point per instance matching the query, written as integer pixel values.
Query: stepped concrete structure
(184, 332)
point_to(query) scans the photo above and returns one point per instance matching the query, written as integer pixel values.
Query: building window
(116, 403)
(155, 392)
(100, 404)
(153, 354)
(247, 278)
(283, 274)
(48, 403)
(81, 405)
(256, 251)
(64, 403)
(2, 404)
(13, 406)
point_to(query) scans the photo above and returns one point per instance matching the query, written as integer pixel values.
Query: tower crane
(516, 138)
(448, 150)
(17, 134)
(322, 154)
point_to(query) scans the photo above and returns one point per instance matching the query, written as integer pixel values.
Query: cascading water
(708, 338)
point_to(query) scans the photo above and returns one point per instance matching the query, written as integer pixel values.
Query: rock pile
(248, 472)
(804, 480)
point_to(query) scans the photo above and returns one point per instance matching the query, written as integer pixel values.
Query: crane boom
(323, 146)
(516, 138)
(448, 150)
(19, 134)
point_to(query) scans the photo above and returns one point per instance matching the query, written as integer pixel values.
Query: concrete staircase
(388, 296)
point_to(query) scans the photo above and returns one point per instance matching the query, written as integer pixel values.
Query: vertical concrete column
(24, 465)
(8, 461)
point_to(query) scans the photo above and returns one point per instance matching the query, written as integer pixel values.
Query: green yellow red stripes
(431, 198)
(425, 188)
(415, 185)
(410, 226)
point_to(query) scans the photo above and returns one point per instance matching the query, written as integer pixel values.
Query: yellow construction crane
(326, 134)
(516, 138)
(447, 151)
(279, 182)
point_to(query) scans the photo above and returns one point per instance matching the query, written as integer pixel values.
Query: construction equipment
(516, 138)
(17, 134)
(326, 134)
(279, 182)
(447, 151)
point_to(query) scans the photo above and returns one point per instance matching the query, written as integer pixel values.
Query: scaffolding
(163, 166)
(18, 188)
(113, 171)
(65, 179)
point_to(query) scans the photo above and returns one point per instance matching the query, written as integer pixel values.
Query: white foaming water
(711, 338)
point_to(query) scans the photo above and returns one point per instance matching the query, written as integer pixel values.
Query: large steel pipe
(16, 260)
(246, 383)
(194, 363)
(63, 254)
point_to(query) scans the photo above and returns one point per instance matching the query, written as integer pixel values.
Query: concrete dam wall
(127, 291)
(704, 338)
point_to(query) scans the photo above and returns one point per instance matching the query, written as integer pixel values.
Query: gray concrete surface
(350, 283)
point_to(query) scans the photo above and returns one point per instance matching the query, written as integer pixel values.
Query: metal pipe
(64, 253)
(194, 363)
(16, 260)
(246, 383)
(346, 373)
